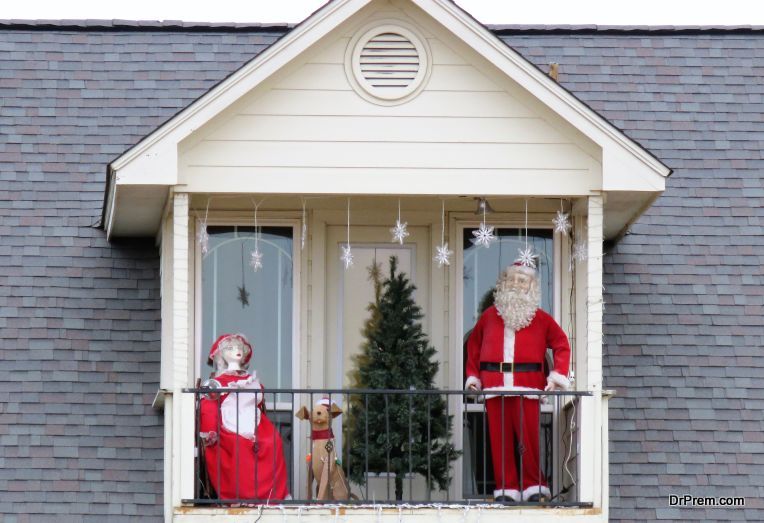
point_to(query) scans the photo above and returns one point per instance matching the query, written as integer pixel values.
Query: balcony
(387, 444)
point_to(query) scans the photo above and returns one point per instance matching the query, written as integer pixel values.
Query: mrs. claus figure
(243, 450)
(506, 352)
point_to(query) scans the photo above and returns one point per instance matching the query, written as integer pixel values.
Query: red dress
(247, 461)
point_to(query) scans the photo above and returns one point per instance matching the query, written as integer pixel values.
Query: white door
(350, 291)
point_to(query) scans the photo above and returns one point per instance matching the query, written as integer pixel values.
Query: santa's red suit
(513, 417)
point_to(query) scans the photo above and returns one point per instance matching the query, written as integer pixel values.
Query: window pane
(235, 299)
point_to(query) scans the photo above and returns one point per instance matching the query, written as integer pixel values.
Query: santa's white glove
(473, 384)
(551, 386)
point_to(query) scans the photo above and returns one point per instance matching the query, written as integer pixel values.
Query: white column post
(594, 294)
(591, 476)
(183, 410)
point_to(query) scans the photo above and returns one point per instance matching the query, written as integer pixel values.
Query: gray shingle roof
(79, 329)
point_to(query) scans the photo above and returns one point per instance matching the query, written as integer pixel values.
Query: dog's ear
(335, 410)
(303, 413)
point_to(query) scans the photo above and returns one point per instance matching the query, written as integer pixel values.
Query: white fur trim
(489, 389)
(559, 379)
(473, 380)
(536, 489)
(512, 493)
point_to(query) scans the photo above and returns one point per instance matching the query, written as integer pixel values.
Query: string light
(202, 236)
(256, 257)
(443, 253)
(399, 232)
(347, 253)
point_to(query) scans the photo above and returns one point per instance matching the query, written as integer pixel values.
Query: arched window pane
(236, 299)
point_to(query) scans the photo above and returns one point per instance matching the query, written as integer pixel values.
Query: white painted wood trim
(180, 290)
(587, 447)
(594, 293)
(605, 462)
(183, 408)
(445, 514)
(171, 469)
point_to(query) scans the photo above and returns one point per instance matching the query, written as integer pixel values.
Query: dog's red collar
(321, 434)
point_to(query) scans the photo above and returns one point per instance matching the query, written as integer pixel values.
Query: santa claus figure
(243, 451)
(506, 352)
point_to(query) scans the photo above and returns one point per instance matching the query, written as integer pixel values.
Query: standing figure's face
(234, 353)
(519, 282)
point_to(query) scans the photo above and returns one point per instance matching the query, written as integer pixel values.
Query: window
(236, 299)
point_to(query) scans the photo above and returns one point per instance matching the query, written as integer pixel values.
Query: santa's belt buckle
(505, 366)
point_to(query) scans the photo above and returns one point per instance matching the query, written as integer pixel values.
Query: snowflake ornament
(347, 256)
(399, 232)
(443, 255)
(579, 251)
(484, 235)
(256, 259)
(203, 238)
(562, 223)
(527, 258)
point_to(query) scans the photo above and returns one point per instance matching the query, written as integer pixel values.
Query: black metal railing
(396, 446)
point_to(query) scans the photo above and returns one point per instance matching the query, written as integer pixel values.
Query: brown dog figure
(323, 464)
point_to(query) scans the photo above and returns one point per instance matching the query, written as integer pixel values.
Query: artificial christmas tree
(398, 433)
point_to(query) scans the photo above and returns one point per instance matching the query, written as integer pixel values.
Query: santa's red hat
(525, 268)
(228, 338)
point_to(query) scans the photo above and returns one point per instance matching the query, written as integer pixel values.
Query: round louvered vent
(388, 62)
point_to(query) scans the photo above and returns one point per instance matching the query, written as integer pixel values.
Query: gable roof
(152, 162)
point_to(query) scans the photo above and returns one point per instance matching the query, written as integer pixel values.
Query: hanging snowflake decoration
(399, 232)
(203, 238)
(256, 259)
(484, 235)
(347, 256)
(527, 258)
(562, 223)
(443, 255)
(303, 234)
(579, 251)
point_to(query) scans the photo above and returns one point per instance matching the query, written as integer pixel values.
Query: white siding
(307, 125)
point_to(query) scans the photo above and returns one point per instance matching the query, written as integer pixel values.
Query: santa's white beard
(517, 309)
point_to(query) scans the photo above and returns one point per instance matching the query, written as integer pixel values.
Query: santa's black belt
(509, 366)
